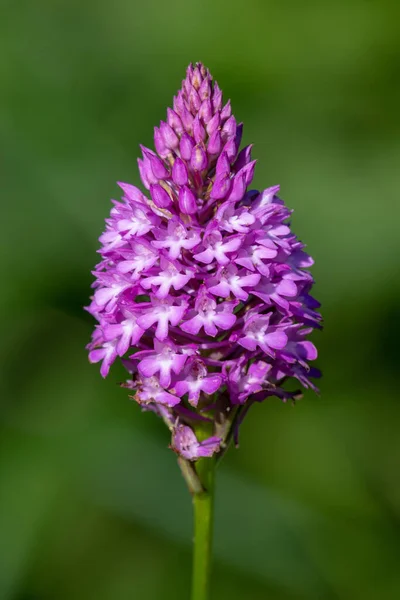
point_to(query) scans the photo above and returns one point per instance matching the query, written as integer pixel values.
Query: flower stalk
(203, 516)
(203, 512)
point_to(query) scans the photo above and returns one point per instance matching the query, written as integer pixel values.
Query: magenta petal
(243, 158)
(210, 328)
(159, 196)
(213, 124)
(250, 280)
(174, 121)
(199, 133)
(104, 295)
(146, 320)
(229, 129)
(211, 384)
(179, 172)
(179, 363)
(187, 445)
(287, 288)
(209, 446)
(214, 144)
(308, 350)
(148, 366)
(96, 355)
(186, 146)
(131, 192)
(225, 320)
(220, 289)
(159, 144)
(226, 111)
(169, 136)
(223, 165)
(162, 330)
(239, 188)
(181, 388)
(276, 340)
(220, 187)
(192, 326)
(205, 111)
(198, 159)
(187, 201)
(206, 256)
(167, 399)
(248, 343)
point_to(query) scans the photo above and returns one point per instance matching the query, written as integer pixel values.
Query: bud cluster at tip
(202, 290)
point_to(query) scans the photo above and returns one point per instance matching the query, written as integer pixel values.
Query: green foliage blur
(92, 505)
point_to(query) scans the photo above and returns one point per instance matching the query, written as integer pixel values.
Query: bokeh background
(92, 505)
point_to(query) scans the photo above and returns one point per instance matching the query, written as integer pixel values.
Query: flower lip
(196, 380)
(185, 443)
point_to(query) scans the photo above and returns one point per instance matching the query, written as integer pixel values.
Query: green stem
(203, 506)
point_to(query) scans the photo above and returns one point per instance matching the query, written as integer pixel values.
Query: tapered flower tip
(180, 174)
(187, 201)
(169, 136)
(198, 158)
(159, 196)
(186, 146)
(159, 143)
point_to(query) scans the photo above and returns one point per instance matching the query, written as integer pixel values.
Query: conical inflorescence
(203, 289)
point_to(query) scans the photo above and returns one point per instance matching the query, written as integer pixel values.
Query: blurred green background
(92, 505)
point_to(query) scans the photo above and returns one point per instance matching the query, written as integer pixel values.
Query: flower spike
(202, 289)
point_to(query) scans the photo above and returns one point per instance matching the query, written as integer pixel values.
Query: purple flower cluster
(202, 286)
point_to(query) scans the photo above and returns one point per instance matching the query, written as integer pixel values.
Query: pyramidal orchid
(202, 290)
